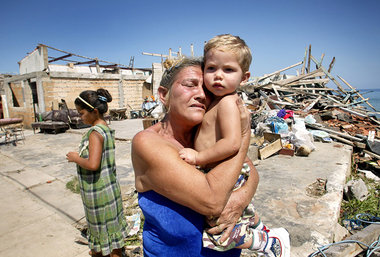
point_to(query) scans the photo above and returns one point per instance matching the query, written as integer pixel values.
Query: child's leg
(117, 253)
(92, 253)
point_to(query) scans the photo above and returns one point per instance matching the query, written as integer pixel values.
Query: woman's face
(187, 100)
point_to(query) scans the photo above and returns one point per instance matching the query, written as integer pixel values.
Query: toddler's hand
(72, 156)
(189, 155)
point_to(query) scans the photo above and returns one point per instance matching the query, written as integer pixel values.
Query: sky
(277, 31)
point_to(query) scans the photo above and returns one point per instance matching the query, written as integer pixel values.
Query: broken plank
(309, 81)
(331, 65)
(345, 82)
(304, 62)
(308, 61)
(334, 132)
(276, 72)
(311, 105)
(372, 154)
(353, 112)
(340, 139)
(295, 78)
(329, 75)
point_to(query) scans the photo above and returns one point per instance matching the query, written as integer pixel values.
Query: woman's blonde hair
(234, 44)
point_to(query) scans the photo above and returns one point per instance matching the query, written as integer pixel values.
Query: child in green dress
(100, 190)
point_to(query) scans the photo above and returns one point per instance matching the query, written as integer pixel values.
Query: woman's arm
(95, 148)
(158, 167)
(236, 204)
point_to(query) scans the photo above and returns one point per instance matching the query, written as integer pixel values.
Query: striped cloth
(101, 196)
(242, 232)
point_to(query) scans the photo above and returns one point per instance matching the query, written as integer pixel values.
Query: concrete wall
(35, 61)
(157, 71)
(89, 69)
(19, 101)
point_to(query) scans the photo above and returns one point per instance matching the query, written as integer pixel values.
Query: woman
(174, 195)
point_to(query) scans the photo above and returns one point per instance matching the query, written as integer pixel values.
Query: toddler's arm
(228, 124)
(189, 155)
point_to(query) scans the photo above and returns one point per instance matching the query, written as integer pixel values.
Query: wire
(360, 218)
(370, 248)
(370, 218)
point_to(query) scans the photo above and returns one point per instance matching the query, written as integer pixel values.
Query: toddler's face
(222, 73)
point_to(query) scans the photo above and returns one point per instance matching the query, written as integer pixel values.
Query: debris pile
(289, 113)
(288, 104)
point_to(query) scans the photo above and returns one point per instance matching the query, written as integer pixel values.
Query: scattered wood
(307, 93)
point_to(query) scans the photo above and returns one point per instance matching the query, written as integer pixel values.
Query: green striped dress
(101, 196)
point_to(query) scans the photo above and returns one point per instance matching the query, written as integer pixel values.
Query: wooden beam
(304, 62)
(308, 61)
(159, 55)
(290, 80)
(273, 73)
(309, 81)
(88, 62)
(60, 58)
(308, 108)
(329, 75)
(331, 65)
(334, 132)
(81, 56)
(313, 88)
(346, 141)
(97, 66)
(345, 82)
(319, 64)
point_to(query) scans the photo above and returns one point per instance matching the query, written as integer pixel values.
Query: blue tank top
(171, 229)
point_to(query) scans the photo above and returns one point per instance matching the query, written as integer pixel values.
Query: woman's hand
(245, 117)
(229, 216)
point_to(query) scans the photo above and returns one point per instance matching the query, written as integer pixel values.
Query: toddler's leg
(240, 235)
(272, 243)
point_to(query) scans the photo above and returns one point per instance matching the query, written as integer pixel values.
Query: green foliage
(350, 208)
(73, 185)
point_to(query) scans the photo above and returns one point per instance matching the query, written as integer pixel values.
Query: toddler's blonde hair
(234, 44)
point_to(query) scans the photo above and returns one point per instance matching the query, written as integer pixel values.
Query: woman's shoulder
(150, 140)
(147, 138)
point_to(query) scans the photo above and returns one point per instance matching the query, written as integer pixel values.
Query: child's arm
(95, 148)
(189, 155)
(228, 122)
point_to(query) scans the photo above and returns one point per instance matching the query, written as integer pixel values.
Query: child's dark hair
(90, 100)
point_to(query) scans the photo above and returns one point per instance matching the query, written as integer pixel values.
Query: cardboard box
(273, 147)
(286, 151)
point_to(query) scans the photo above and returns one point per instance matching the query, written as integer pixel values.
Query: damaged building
(47, 75)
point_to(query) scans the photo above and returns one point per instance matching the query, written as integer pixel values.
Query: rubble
(277, 100)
